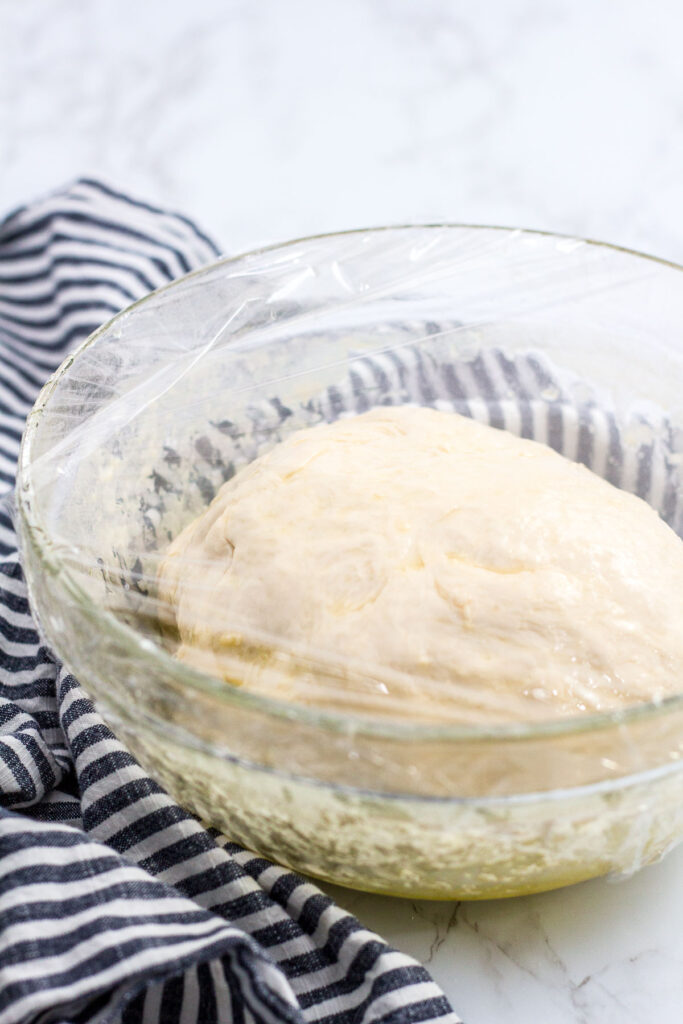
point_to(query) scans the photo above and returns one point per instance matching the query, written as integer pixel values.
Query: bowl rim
(33, 533)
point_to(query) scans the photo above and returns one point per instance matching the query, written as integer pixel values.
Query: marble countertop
(603, 952)
(270, 120)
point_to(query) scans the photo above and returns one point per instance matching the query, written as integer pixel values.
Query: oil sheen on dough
(436, 569)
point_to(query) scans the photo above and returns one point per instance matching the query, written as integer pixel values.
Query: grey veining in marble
(280, 118)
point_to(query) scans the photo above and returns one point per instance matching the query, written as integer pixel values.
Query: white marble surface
(277, 118)
(604, 952)
(271, 119)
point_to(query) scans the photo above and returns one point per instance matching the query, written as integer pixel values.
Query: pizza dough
(420, 564)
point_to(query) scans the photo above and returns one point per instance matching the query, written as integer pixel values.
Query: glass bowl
(570, 342)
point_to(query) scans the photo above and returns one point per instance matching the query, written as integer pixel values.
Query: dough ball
(420, 564)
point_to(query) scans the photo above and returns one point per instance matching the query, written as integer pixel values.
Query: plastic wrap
(565, 342)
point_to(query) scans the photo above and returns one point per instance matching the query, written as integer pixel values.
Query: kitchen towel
(115, 903)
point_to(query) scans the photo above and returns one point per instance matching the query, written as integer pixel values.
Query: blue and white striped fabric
(115, 904)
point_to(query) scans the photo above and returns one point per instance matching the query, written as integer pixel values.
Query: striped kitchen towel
(115, 904)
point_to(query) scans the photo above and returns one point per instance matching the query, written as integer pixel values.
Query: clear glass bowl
(571, 342)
